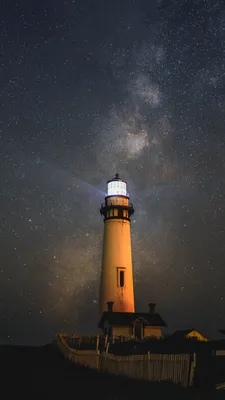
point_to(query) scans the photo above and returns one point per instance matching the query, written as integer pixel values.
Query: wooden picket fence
(177, 368)
(153, 367)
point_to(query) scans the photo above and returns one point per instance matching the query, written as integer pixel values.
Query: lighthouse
(116, 284)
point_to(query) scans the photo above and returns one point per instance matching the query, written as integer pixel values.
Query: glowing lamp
(117, 187)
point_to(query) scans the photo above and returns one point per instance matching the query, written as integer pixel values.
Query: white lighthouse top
(117, 187)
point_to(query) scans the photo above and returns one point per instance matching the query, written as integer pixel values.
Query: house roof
(128, 319)
(181, 334)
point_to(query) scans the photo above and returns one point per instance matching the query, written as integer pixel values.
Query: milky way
(87, 90)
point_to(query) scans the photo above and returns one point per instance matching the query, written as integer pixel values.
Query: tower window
(121, 279)
(121, 276)
(125, 214)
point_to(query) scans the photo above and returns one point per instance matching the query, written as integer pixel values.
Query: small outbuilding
(189, 334)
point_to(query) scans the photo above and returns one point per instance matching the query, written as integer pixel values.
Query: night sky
(88, 89)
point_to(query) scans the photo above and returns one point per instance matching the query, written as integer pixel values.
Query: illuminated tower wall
(116, 274)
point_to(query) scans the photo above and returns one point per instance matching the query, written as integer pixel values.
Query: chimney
(110, 306)
(152, 308)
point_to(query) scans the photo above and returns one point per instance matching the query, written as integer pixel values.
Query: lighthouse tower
(116, 274)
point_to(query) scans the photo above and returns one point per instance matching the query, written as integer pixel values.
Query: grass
(37, 371)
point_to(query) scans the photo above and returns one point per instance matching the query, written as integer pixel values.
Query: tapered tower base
(116, 274)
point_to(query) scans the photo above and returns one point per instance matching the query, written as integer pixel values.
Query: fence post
(148, 364)
(106, 340)
(97, 343)
(192, 370)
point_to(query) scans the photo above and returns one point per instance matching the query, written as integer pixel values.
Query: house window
(138, 330)
(109, 331)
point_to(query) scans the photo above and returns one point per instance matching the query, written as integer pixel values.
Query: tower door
(138, 330)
